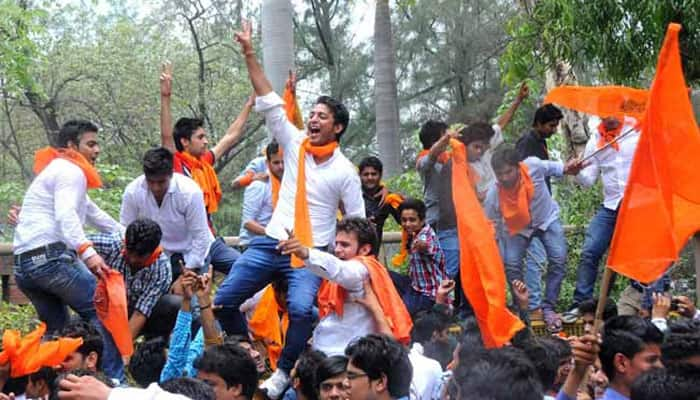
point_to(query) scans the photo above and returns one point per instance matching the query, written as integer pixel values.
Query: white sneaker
(275, 385)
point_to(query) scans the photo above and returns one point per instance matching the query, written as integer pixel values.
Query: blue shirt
(257, 206)
(182, 351)
(543, 209)
(610, 394)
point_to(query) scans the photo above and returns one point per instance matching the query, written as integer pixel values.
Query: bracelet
(215, 341)
(249, 53)
(204, 307)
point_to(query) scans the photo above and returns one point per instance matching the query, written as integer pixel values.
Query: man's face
(335, 388)
(158, 185)
(321, 127)
(546, 129)
(276, 165)
(476, 149)
(88, 146)
(359, 385)
(197, 144)
(508, 176)
(255, 355)
(647, 359)
(370, 178)
(76, 360)
(411, 222)
(346, 245)
(565, 366)
(135, 260)
(611, 123)
(221, 390)
(588, 321)
(36, 389)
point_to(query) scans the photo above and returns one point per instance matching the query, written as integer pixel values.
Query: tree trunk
(277, 41)
(386, 99)
(575, 124)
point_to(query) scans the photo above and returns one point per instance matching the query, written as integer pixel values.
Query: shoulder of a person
(185, 184)
(257, 186)
(135, 184)
(64, 167)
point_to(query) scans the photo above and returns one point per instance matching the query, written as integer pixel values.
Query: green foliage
(22, 318)
(17, 49)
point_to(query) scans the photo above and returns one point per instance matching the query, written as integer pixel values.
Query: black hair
(142, 236)
(306, 372)
(55, 387)
(148, 361)
(271, 149)
(504, 155)
(498, 374)
(236, 340)
(682, 342)
(413, 204)
(379, 355)
(674, 383)
(158, 162)
(366, 234)
(73, 130)
(425, 324)
(92, 340)
(558, 346)
(476, 131)
(545, 360)
(184, 129)
(189, 387)
(46, 374)
(590, 305)
(547, 113)
(627, 335)
(330, 367)
(372, 162)
(430, 132)
(233, 364)
(340, 113)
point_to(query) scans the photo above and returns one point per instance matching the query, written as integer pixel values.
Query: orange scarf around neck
(442, 158)
(332, 296)
(205, 176)
(607, 136)
(152, 258)
(43, 157)
(399, 258)
(302, 220)
(515, 202)
(275, 183)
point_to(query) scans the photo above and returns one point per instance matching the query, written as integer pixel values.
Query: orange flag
(27, 355)
(661, 206)
(111, 307)
(266, 325)
(481, 269)
(604, 101)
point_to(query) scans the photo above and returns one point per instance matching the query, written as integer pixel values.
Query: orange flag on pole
(481, 269)
(661, 206)
(604, 101)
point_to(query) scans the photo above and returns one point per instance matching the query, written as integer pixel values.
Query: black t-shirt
(531, 145)
(448, 217)
(377, 214)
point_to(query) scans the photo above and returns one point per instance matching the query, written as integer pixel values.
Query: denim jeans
(554, 241)
(55, 281)
(261, 264)
(535, 264)
(598, 236)
(221, 256)
(449, 242)
(416, 301)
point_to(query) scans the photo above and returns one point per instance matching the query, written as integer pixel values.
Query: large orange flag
(604, 101)
(661, 206)
(481, 269)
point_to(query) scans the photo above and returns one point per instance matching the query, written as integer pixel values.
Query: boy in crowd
(377, 209)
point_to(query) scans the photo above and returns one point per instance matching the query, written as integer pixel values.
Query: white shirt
(614, 166)
(182, 216)
(152, 392)
(257, 207)
(427, 375)
(55, 208)
(333, 333)
(483, 166)
(327, 184)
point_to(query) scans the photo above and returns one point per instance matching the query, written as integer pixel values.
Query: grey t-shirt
(430, 171)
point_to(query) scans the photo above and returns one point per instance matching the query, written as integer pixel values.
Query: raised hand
(293, 246)
(166, 79)
(443, 292)
(13, 215)
(244, 38)
(524, 92)
(662, 305)
(573, 167)
(521, 294)
(685, 306)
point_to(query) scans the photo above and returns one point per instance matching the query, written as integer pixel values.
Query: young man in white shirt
(176, 203)
(53, 257)
(329, 178)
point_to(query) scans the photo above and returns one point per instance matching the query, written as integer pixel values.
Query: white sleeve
(152, 392)
(96, 217)
(278, 126)
(348, 274)
(549, 168)
(351, 197)
(129, 211)
(196, 220)
(588, 175)
(69, 191)
(497, 137)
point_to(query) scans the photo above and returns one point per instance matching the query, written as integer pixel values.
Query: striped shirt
(144, 286)
(427, 269)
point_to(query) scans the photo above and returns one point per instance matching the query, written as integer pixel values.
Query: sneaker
(275, 385)
(571, 316)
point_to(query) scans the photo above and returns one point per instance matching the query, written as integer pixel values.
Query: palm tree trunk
(277, 41)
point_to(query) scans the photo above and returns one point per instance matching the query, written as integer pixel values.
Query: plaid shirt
(144, 286)
(427, 270)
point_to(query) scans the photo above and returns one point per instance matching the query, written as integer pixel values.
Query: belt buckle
(39, 259)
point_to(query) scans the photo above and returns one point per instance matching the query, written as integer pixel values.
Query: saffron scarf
(266, 325)
(27, 355)
(607, 136)
(302, 220)
(442, 158)
(515, 202)
(43, 157)
(205, 176)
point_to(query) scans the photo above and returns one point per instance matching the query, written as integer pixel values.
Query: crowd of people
(305, 309)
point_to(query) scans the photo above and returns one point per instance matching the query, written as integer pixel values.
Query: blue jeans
(535, 263)
(449, 242)
(416, 301)
(598, 236)
(55, 281)
(555, 246)
(221, 256)
(258, 266)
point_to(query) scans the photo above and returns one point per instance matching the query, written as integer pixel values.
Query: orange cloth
(481, 269)
(111, 307)
(331, 297)
(302, 221)
(604, 101)
(394, 200)
(442, 158)
(266, 325)
(607, 136)
(515, 202)
(399, 258)
(291, 106)
(43, 157)
(660, 209)
(246, 179)
(27, 355)
(275, 190)
(151, 258)
(205, 176)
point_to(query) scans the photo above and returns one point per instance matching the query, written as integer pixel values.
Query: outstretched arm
(260, 83)
(166, 119)
(235, 131)
(504, 119)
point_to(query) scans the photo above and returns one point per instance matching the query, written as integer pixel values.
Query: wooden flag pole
(602, 299)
